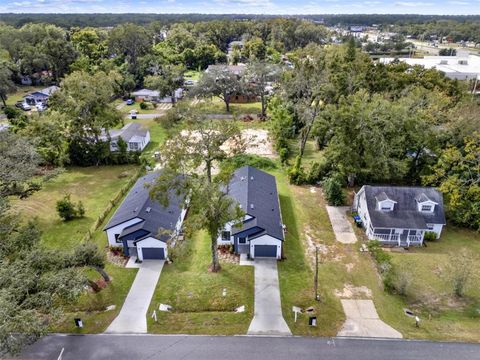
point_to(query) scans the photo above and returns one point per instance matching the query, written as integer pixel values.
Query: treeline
(372, 123)
(109, 20)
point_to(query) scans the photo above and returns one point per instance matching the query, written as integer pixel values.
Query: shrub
(430, 236)
(318, 171)
(284, 154)
(11, 112)
(384, 264)
(144, 105)
(296, 174)
(332, 188)
(67, 210)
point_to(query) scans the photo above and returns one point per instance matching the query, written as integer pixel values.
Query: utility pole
(317, 297)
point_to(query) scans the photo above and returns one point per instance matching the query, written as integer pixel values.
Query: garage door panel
(266, 251)
(153, 253)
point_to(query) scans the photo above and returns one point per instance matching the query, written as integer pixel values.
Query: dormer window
(384, 203)
(427, 208)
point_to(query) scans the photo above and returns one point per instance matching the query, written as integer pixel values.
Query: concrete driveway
(268, 318)
(341, 226)
(363, 320)
(132, 317)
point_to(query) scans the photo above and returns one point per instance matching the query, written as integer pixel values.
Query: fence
(111, 204)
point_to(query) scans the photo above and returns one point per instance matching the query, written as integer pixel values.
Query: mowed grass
(94, 186)
(196, 294)
(340, 265)
(430, 292)
(91, 307)
(21, 92)
(136, 106)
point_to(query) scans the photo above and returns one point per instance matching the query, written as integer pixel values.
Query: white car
(41, 107)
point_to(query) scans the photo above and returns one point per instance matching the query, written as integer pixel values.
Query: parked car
(130, 101)
(41, 107)
(133, 114)
(189, 82)
(23, 106)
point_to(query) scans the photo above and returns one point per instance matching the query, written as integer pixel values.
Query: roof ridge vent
(252, 206)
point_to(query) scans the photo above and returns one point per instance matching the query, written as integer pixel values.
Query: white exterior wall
(437, 228)
(118, 229)
(362, 210)
(178, 225)
(228, 227)
(265, 240)
(150, 242)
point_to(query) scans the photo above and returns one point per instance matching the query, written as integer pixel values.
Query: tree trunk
(102, 272)
(264, 107)
(94, 286)
(226, 100)
(208, 165)
(3, 100)
(215, 266)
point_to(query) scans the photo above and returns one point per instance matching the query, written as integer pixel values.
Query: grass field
(196, 294)
(21, 92)
(136, 106)
(94, 186)
(430, 292)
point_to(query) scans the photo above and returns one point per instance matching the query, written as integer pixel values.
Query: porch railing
(397, 240)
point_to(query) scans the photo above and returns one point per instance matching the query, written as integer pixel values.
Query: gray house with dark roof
(142, 226)
(261, 232)
(136, 137)
(400, 216)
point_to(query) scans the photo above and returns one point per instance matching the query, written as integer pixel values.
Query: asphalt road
(153, 347)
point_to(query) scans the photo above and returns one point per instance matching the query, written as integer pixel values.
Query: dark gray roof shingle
(256, 192)
(405, 213)
(155, 217)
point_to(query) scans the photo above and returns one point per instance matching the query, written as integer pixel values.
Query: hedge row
(111, 204)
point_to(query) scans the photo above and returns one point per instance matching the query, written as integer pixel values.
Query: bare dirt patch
(256, 142)
(351, 292)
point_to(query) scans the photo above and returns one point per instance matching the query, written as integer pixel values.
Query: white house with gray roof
(136, 137)
(400, 216)
(261, 232)
(142, 226)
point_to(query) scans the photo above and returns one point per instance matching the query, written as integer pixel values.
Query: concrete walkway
(268, 318)
(362, 320)
(341, 226)
(132, 317)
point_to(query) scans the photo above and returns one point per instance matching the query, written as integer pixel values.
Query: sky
(444, 7)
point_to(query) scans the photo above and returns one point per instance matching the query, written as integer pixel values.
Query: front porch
(397, 237)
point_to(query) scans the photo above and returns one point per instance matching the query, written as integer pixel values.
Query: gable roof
(45, 92)
(405, 213)
(154, 216)
(130, 132)
(146, 92)
(235, 69)
(256, 193)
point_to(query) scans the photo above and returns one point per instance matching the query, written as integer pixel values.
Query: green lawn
(136, 106)
(193, 75)
(196, 294)
(20, 93)
(430, 292)
(300, 211)
(94, 186)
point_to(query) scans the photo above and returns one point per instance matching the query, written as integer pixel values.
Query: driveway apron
(268, 318)
(341, 226)
(132, 317)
